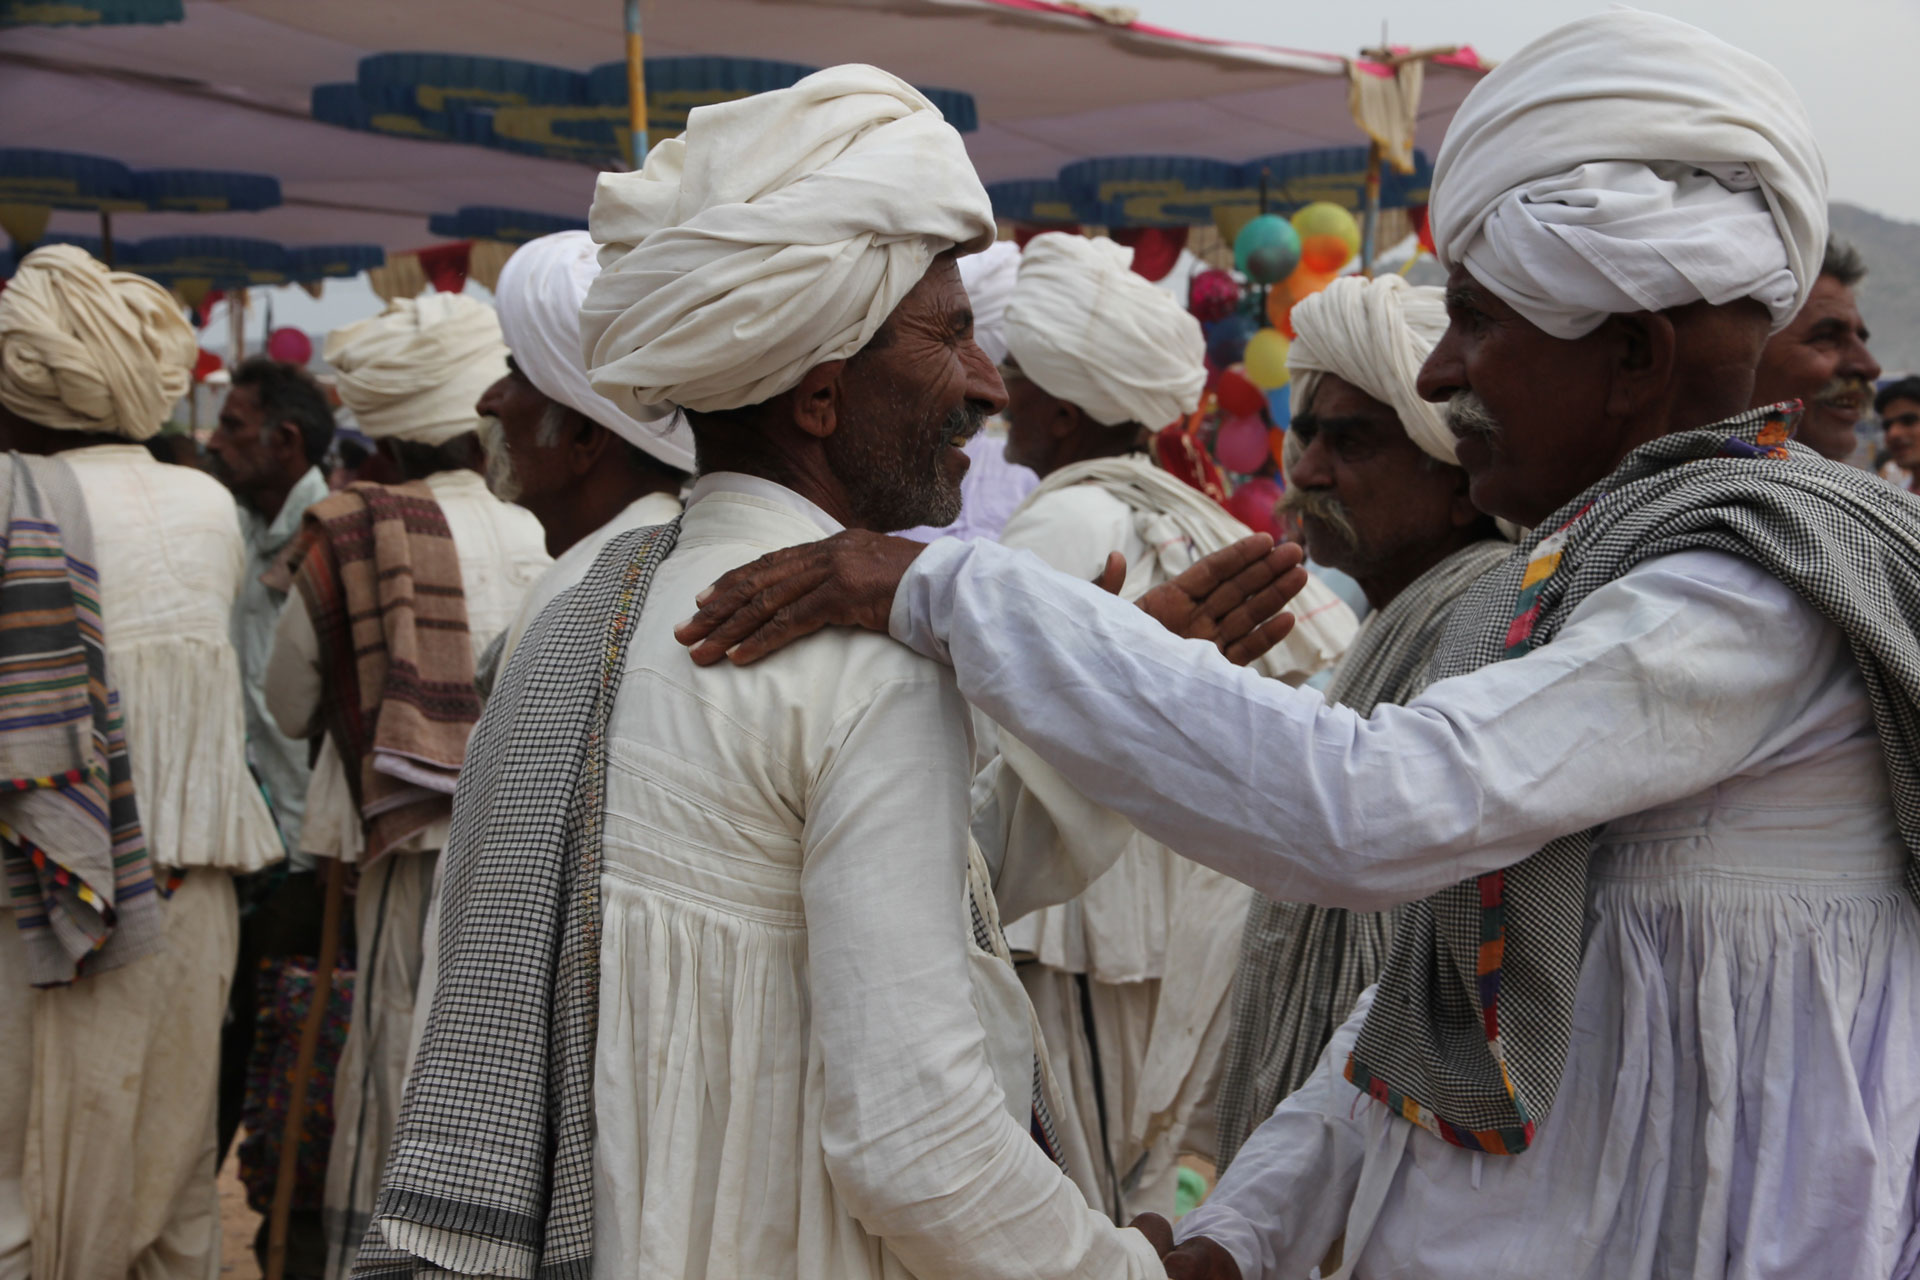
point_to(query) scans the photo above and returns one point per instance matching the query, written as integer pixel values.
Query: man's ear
(587, 444)
(816, 400)
(1644, 344)
(291, 445)
(1064, 420)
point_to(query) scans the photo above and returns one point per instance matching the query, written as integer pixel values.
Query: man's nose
(1444, 372)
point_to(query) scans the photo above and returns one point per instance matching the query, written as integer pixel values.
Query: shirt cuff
(923, 602)
(1228, 1229)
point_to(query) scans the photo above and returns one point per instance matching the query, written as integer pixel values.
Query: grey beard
(1468, 415)
(1322, 507)
(501, 481)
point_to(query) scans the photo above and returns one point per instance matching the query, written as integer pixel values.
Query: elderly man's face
(1369, 501)
(248, 454)
(911, 400)
(1822, 359)
(521, 431)
(1529, 409)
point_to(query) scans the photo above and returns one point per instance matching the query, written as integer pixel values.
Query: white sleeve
(1653, 690)
(292, 678)
(1283, 1201)
(917, 1135)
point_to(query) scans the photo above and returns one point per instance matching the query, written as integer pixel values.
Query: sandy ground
(237, 1225)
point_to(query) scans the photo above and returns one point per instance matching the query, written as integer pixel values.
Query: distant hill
(1890, 296)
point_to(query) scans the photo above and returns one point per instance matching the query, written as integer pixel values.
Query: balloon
(1241, 444)
(1325, 218)
(1229, 339)
(205, 363)
(1324, 255)
(1239, 396)
(1277, 446)
(1253, 503)
(1267, 249)
(290, 345)
(1280, 406)
(1212, 295)
(1266, 360)
(1305, 283)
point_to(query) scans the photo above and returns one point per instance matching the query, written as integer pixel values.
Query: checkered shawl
(380, 577)
(491, 1171)
(1302, 967)
(1469, 1033)
(76, 867)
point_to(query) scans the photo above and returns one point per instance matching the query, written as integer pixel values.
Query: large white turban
(777, 233)
(1085, 329)
(1630, 162)
(538, 296)
(83, 348)
(989, 277)
(1374, 334)
(416, 370)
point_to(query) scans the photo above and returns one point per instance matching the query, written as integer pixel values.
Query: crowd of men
(634, 861)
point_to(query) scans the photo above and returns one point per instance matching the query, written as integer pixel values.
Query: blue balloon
(1228, 343)
(1267, 249)
(1280, 405)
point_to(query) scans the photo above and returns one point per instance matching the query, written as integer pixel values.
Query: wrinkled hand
(1233, 598)
(1197, 1259)
(847, 580)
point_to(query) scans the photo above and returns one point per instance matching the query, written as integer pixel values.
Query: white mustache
(501, 480)
(1468, 415)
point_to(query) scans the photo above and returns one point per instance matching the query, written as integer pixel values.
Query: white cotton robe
(805, 1069)
(1739, 1099)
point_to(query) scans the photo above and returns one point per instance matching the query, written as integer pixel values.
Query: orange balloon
(1305, 282)
(1324, 254)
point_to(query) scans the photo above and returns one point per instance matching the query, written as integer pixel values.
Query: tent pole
(1370, 227)
(106, 237)
(636, 87)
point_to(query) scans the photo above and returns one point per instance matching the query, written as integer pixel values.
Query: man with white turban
(722, 989)
(581, 465)
(1651, 827)
(411, 376)
(1378, 492)
(107, 1132)
(1130, 979)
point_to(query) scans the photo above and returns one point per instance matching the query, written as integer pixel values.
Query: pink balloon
(1241, 444)
(290, 345)
(1252, 505)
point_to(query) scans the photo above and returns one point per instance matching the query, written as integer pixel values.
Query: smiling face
(1822, 360)
(1901, 418)
(910, 401)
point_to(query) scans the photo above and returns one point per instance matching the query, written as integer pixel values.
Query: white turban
(1085, 329)
(1630, 162)
(83, 348)
(1374, 334)
(989, 277)
(777, 233)
(416, 370)
(538, 296)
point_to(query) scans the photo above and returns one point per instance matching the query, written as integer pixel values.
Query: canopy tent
(236, 86)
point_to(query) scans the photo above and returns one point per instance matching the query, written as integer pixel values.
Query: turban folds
(1085, 329)
(538, 296)
(777, 233)
(1374, 334)
(83, 348)
(1630, 162)
(415, 371)
(989, 277)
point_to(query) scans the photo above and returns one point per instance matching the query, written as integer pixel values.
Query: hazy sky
(1856, 63)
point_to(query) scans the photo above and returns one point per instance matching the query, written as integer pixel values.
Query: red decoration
(1212, 295)
(1023, 232)
(1422, 221)
(1238, 396)
(1181, 455)
(446, 265)
(205, 363)
(290, 345)
(1155, 249)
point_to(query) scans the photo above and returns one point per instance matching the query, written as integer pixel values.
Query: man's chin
(1828, 431)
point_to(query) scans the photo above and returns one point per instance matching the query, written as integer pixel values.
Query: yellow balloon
(1325, 218)
(1266, 359)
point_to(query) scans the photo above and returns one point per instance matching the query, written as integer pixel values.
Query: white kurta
(1739, 1098)
(1101, 959)
(804, 1067)
(502, 553)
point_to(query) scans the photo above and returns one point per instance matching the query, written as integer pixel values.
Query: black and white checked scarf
(1302, 968)
(1479, 984)
(491, 1171)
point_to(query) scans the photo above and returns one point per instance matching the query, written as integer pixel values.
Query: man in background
(1821, 360)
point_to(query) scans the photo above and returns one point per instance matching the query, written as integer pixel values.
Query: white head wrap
(1089, 331)
(538, 296)
(416, 370)
(83, 348)
(989, 277)
(1374, 334)
(1630, 162)
(777, 233)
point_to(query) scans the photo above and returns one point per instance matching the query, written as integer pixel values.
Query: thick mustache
(1321, 507)
(967, 420)
(1468, 415)
(1853, 392)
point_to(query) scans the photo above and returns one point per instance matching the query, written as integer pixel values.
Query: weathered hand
(1197, 1259)
(847, 580)
(1233, 597)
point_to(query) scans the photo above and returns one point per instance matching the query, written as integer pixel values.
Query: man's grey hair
(552, 418)
(1843, 262)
